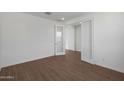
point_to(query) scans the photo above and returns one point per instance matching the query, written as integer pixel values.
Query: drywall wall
(24, 38)
(69, 35)
(0, 44)
(108, 39)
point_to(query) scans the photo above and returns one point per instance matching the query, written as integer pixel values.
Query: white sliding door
(59, 40)
(87, 53)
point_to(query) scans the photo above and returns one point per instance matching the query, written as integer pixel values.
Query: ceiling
(57, 16)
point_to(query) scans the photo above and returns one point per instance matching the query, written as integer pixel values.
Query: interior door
(59, 40)
(87, 41)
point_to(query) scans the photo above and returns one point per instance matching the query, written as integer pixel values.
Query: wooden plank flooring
(59, 68)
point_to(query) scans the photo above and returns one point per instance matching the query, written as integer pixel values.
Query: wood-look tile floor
(68, 67)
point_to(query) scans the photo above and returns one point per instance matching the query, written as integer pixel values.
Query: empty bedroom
(61, 46)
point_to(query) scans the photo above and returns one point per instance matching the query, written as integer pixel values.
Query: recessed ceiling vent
(48, 13)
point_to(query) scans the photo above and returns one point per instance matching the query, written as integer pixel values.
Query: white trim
(88, 60)
(62, 53)
(75, 38)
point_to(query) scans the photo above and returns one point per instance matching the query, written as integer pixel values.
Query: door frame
(63, 40)
(92, 41)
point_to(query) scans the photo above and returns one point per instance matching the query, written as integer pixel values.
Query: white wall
(108, 39)
(24, 37)
(69, 32)
(0, 44)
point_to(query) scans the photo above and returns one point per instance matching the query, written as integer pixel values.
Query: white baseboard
(91, 61)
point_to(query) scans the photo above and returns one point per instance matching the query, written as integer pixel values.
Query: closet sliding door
(87, 44)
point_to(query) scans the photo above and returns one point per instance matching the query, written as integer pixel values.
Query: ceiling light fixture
(62, 18)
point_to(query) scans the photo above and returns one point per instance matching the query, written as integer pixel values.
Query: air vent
(48, 13)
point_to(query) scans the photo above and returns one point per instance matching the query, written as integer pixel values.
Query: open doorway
(80, 39)
(59, 48)
(77, 41)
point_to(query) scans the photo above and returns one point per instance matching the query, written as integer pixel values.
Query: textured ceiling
(58, 15)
